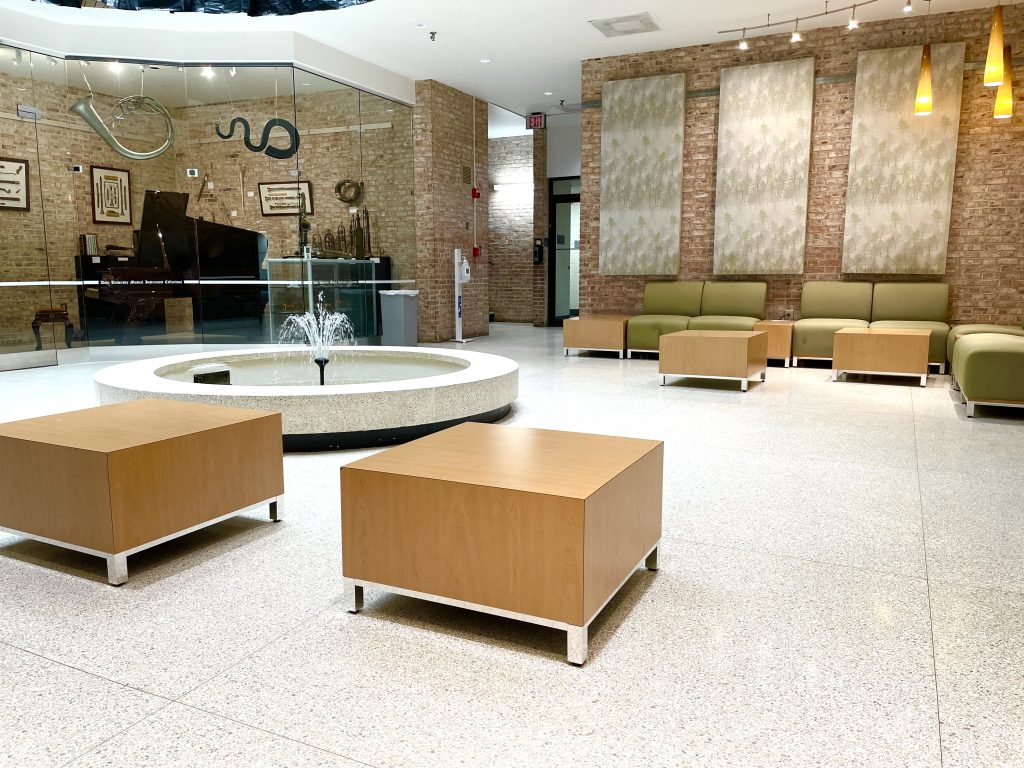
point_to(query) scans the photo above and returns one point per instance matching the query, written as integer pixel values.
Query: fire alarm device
(476, 193)
(477, 250)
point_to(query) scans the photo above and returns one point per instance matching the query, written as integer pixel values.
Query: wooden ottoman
(596, 333)
(780, 339)
(115, 480)
(529, 524)
(881, 352)
(739, 355)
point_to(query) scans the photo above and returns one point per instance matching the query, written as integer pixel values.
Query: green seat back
(673, 297)
(911, 301)
(834, 299)
(728, 298)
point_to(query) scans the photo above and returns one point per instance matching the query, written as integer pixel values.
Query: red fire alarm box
(476, 193)
(477, 250)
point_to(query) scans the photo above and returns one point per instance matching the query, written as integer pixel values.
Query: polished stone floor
(841, 584)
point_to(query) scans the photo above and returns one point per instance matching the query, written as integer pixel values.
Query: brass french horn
(124, 108)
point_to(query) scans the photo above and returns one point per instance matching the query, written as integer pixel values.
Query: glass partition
(278, 186)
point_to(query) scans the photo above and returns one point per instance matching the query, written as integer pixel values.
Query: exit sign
(536, 120)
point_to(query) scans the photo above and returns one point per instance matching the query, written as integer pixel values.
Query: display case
(351, 286)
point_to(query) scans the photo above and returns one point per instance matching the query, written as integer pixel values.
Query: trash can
(400, 318)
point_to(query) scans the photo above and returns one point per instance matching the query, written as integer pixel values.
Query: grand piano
(177, 256)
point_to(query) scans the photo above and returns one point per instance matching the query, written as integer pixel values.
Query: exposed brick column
(540, 225)
(443, 133)
(510, 228)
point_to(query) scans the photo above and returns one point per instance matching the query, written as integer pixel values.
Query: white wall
(564, 145)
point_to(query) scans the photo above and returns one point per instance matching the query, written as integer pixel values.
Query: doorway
(564, 239)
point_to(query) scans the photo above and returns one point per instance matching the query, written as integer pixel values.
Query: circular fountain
(330, 396)
(372, 395)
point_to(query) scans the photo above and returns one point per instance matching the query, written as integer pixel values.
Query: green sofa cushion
(675, 297)
(722, 323)
(812, 336)
(729, 298)
(990, 367)
(644, 331)
(841, 300)
(967, 330)
(911, 301)
(937, 342)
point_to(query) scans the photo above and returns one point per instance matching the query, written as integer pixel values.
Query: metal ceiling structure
(247, 7)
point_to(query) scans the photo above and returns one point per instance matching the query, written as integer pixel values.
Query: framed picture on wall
(281, 198)
(13, 184)
(111, 196)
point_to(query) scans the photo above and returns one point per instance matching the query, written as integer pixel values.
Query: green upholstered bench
(989, 370)
(730, 306)
(920, 306)
(827, 306)
(668, 307)
(967, 330)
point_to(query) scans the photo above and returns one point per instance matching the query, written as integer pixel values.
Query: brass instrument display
(122, 110)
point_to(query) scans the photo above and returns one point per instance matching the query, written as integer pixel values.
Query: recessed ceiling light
(549, 93)
(306, 84)
(485, 61)
(420, 25)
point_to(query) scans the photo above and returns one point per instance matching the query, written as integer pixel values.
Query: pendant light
(923, 103)
(994, 63)
(1004, 96)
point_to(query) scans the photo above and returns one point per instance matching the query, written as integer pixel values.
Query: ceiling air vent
(620, 26)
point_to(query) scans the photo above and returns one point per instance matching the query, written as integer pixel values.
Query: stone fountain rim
(144, 375)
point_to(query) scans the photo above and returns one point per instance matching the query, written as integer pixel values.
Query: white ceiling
(533, 45)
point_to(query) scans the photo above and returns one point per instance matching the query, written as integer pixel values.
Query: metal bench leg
(117, 569)
(353, 597)
(274, 512)
(576, 643)
(651, 563)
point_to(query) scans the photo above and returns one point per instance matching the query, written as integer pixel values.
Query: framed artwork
(281, 198)
(13, 184)
(111, 196)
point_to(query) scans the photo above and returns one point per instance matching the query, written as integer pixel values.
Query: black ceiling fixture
(248, 7)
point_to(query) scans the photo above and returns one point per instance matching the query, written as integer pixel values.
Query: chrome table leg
(353, 597)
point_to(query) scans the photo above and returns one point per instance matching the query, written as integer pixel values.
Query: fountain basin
(374, 396)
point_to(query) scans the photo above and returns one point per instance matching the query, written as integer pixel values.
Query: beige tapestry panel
(902, 166)
(764, 155)
(641, 175)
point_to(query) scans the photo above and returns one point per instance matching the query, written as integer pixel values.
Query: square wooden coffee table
(596, 333)
(739, 355)
(881, 352)
(529, 524)
(115, 480)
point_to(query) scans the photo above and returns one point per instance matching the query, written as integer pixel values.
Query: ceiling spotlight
(232, 71)
(549, 93)
(854, 24)
(796, 37)
(485, 61)
(744, 45)
(207, 71)
(83, 64)
(115, 67)
(908, 7)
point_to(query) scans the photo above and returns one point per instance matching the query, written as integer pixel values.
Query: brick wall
(448, 126)
(540, 225)
(984, 267)
(510, 228)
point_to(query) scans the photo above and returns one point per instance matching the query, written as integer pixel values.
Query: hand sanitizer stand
(461, 277)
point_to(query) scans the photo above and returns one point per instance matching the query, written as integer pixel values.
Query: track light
(796, 37)
(232, 72)
(854, 24)
(908, 7)
(744, 45)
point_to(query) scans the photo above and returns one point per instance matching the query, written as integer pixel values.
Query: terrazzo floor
(841, 584)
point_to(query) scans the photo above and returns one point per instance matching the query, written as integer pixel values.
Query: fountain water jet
(321, 330)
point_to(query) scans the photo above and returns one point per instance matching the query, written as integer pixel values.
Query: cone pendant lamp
(994, 66)
(1004, 96)
(923, 103)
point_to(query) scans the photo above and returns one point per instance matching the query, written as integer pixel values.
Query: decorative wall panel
(641, 175)
(901, 166)
(764, 155)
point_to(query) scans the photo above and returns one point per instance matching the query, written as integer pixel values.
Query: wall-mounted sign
(536, 120)
(111, 196)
